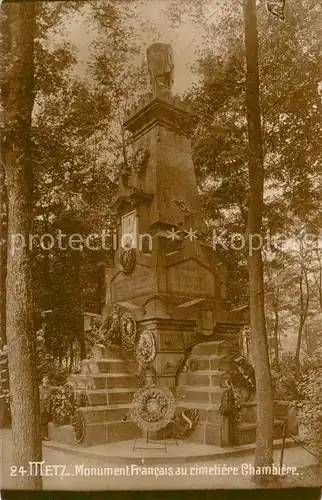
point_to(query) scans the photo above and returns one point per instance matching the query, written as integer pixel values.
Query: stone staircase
(202, 387)
(109, 382)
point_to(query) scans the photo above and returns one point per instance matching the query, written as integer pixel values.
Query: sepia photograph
(161, 246)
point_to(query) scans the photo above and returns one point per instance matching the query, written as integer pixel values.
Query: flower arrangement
(81, 399)
(63, 405)
(243, 376)
(231, 408)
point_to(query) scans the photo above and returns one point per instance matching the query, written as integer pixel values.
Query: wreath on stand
(153, 408)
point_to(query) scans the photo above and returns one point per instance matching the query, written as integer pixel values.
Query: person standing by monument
(45, 393)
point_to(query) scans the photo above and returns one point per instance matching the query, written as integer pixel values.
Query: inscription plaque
(171, 341)
(190, 277)
(127, 287)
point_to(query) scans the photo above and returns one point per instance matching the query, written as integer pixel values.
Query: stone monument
(169, 278)
(167, 308)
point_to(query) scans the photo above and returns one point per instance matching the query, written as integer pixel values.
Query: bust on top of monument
(161, 72)
(161, 68)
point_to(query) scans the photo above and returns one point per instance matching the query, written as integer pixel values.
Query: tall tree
(3, 254)
(264, 393)
(18, 100)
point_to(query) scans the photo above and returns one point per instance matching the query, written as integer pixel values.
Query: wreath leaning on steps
(77, 420)
(231, 408)
(185, 423)
(243, 376)
(78, 424)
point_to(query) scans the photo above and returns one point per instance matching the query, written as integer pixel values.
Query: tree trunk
(80, 330)
(317, 277)
(276, 328)
(3, 254)
(304, 305)
(71, 356)
(264, 437)
(18, 105)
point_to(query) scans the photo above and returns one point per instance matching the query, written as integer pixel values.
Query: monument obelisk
(170, 281)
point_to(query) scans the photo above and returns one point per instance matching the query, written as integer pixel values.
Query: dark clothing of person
(45, 392)
(45, 419)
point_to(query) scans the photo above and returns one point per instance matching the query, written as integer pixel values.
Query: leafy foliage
(293, 176)
(63, 406)
(285, 381)
(309, 407)
(242, 374)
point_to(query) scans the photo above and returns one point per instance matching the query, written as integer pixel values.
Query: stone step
(246, 432)
(206, 412)
(63, 434)
(212, 362)
(81, 381)
(117, 366)
(204, 378)
(105, 413)
(96, 434)
(99, 397)
(211, 348)
(207, 433)
(113, 380)
(112, 352)
(186, 393)
(202, 406)
(110, 432)
(111, 365)
(102, 380)
(108, 365)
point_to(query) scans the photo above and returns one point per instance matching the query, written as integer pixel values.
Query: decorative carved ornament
(193, 364)
(153, 408)
(128, 331)
(128, 260)
(146, 350)
(169, 367)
